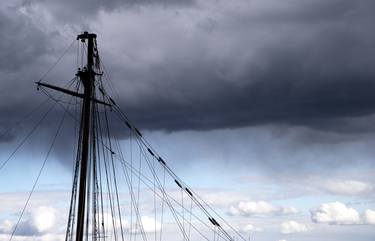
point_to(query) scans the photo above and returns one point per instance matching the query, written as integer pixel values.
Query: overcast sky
(266, 107)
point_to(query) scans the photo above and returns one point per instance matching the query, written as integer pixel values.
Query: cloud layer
(186, 79)
(260, 208)
(280, 89)
(291, 226)
(38, 222)
(337, 213)
(347, 187)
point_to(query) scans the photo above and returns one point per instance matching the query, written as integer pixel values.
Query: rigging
(96, 209)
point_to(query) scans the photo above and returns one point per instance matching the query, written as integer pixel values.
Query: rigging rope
(25, 117)
(57, 61)
(27, 136)
(149, 186)
(114, 172)
(33, 129)
(102, 155)
(38, 176)
(184, 188)
(195, 197)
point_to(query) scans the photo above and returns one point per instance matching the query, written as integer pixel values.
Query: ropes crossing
(122, 189)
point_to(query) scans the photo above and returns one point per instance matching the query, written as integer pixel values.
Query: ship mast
(86, 151)
(87, 77)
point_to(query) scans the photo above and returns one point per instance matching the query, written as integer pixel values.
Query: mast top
(86, 35)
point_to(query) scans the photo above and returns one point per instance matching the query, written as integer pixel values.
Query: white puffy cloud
(39, 221)
(6, 226)
(44, 237)
(369, 216)
(44, 218)
(291, 226)
(249, 228)
(335, 213)
(149, 224)
(287, 210)
(259, 208)
(347, 187)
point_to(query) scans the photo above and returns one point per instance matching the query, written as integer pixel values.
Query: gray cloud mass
(268, 105)
(206, 66)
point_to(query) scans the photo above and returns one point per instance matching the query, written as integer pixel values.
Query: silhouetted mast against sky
(87, 76)
(95, 147)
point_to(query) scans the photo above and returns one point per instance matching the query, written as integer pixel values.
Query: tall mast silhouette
(87, 77)
(95, 147)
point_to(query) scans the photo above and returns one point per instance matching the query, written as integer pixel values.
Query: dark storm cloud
(20, 41)
(315, 69)
(298, 63)
(83, 11)
(261, 103)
